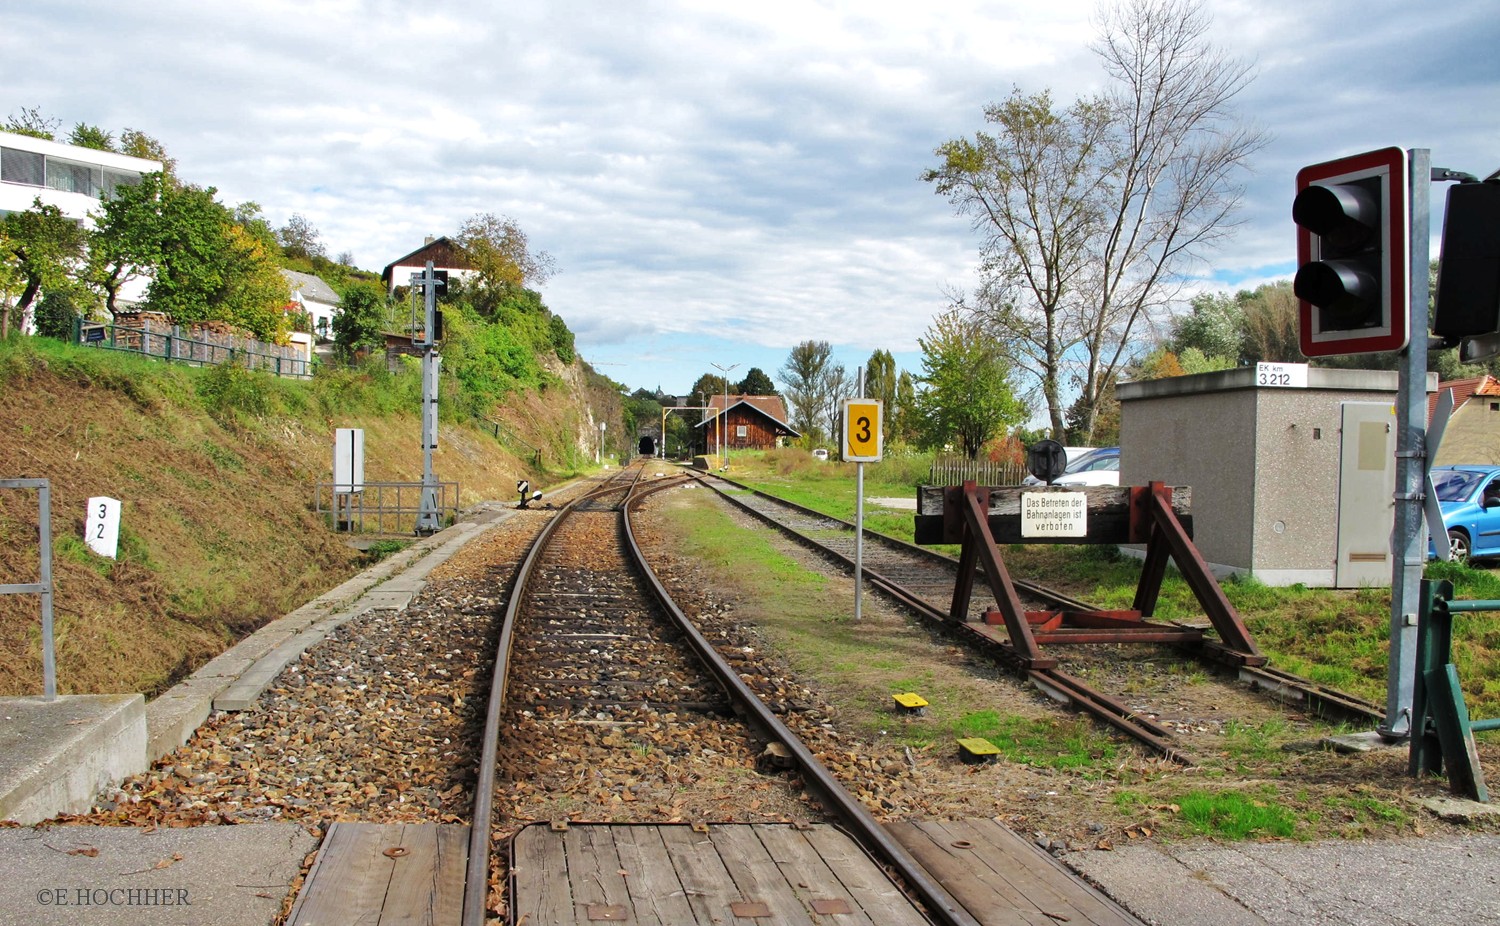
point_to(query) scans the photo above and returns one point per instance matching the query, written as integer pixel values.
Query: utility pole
(429, 516)
(724, 421)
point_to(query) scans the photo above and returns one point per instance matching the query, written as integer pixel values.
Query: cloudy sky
(715, 181)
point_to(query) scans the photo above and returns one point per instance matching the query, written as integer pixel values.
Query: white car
(1075, 457)
(820, 454)
(1100, 468)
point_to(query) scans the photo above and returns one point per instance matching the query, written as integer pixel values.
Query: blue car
(1470, 499)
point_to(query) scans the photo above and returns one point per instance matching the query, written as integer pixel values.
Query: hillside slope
(215, 470)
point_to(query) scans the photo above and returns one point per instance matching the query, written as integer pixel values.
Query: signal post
(862, 443)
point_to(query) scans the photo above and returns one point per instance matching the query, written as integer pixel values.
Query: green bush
(228, 391)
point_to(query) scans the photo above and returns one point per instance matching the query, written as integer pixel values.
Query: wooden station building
(751, 422)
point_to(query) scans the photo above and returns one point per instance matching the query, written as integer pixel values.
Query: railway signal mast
(1362, 252)
(426, 336)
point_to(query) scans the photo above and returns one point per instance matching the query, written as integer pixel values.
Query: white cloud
(754, 165)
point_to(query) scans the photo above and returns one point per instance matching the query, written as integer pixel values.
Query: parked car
(1075, 457)
(820, 454)
(1100, 468)
(1469, 497)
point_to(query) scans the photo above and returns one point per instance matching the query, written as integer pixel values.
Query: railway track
(922, 580)
(592, 648)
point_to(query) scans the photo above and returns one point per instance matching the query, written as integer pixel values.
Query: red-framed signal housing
(1395, 212)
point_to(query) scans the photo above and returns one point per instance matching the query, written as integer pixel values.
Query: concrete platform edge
(61, 753)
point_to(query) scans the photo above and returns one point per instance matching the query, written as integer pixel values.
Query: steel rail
(1281, 684)
(863, 827)
(1056, 683)
(477, 870)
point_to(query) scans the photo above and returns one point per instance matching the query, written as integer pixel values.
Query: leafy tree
(248, 216)
(210, 268)
(880, 378)
(1213, 328)
(43, 245)
(562, 338)
(30, 121)
(811, 379)
(968, 397)
(904, 417)
(1089, 212)
(1161, 363)
(1268, 320)
(138, 144)
(11, 280)
(299, 238)
(357, 323)
(56, 312)
(756, 382)
(707, 386)
(125, 242)
(497, 248)
(91, 136)
(253, 294)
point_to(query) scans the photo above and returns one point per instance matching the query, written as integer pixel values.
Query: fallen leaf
(88, 851)
(168, 862)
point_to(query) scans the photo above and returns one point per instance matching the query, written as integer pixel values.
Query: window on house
(26, 167)
(72, 177)
(114, 179)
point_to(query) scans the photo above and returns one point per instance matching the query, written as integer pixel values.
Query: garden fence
(952, 470)
(192, 345)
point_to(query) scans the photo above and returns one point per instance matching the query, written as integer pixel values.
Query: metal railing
(381, 507)
(43, 586)
(201, 348)
(508, 437)
(1442, 731)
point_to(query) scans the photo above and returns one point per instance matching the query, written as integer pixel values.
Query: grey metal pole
(429, 519)
(859, 518)
(724, 421)
(44, 529)
(1409, 533)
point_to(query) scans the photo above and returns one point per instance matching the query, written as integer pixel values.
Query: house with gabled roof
(315, 297)
(1473, 432)
(444, 254)
(750, 422)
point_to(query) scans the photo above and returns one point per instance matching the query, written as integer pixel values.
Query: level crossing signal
(1353, 253)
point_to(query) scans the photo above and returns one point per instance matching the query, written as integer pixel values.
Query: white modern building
(71, 178)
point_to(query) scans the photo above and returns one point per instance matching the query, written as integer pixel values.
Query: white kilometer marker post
(101, 527)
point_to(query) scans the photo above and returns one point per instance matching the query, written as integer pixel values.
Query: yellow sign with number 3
(863, 422)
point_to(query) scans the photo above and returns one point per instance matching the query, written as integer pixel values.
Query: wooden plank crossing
(1002, 879)
(385, 874)
(673, 875)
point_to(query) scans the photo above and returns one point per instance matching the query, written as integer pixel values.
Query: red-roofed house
(754, 422)
(1473, 432)
(443, 253)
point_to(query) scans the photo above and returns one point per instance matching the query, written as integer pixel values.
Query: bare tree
(813, 384)
(1092, 212)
